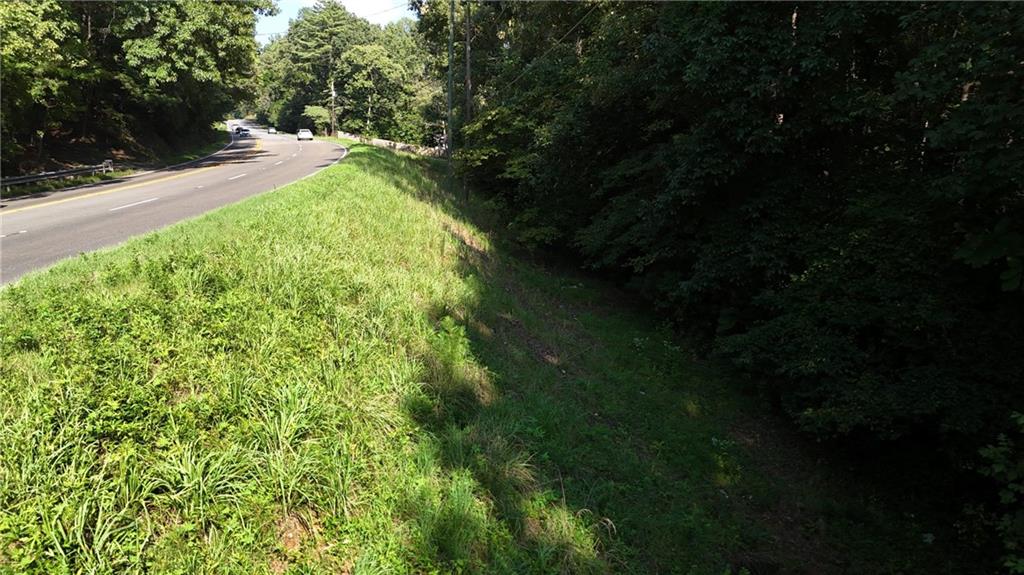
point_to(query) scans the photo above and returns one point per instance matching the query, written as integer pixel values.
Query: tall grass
(343, 376)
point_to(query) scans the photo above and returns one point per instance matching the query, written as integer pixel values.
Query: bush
(1005, 464)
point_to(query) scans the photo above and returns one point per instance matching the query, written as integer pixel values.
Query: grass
(188, 154)
(347, 376)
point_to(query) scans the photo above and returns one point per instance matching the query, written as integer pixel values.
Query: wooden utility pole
(467, 114)
(334, 116)
(449, 135)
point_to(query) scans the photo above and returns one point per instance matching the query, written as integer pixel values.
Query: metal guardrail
(106, 166)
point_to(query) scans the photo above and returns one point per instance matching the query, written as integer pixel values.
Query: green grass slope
(344, 377)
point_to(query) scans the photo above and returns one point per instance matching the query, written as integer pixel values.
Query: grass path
(344, 377)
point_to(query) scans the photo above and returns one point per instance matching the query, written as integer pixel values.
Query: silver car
(304, 135)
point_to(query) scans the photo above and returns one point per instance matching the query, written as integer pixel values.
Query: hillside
(347, 376)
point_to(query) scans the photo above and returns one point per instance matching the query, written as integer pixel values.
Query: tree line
(333, 70)
(114, 72)
(826, 196)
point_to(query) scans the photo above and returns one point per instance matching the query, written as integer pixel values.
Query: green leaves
(378, 77)
(1003, 245)
(76, 71)
(827, 195)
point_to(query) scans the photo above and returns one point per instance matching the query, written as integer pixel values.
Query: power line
(402, 4)
(553, 46)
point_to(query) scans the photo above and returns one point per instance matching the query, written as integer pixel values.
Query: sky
(376, 11)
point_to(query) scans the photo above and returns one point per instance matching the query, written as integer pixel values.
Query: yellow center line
(102, 192)
(259, 145)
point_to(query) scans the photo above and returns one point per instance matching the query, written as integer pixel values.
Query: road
(38, 231)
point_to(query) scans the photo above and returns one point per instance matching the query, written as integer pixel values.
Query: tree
(318, 117)
(111, 70)
(827, 196)
(381, 75)
(34, 72)
(373, 88)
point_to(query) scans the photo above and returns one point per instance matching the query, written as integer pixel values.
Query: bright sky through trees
(376, 11)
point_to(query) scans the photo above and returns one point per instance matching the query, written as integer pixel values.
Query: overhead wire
(553, 46)
(401, 4)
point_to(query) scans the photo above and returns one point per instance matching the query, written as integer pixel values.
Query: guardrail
(106, 166)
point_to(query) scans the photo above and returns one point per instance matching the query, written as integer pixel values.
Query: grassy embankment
(216, 139)
(343, 376)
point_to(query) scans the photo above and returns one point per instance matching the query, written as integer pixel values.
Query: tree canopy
(828, 196)
(106, 70)
(378, 77)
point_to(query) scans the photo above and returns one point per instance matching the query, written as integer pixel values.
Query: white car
(304, 135)
(271, 130)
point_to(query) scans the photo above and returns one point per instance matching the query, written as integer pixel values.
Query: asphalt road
(38, 231)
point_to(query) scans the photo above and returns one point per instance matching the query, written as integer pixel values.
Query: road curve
(38, 231)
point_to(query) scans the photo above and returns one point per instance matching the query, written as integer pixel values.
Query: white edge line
(344, 152)
(134, 204)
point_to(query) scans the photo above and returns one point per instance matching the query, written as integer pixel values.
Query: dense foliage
(829, 195)
(379, 77)
(105, 71)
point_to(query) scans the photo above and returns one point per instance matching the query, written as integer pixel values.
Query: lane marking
(13, 233)
(133, 204)
(102, 192)
(259, 146)
(236, 177)
(279, 163)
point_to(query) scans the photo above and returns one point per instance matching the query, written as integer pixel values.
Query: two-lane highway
(36, 232)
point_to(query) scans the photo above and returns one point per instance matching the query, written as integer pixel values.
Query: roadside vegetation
(346, 375)
(132, 81)
(217, 139)
(384, 79)
(826, 197)
(821, 203)
(61, 183)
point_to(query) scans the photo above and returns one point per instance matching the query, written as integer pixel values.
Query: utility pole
(333, 115)
(467, 114)
(448, 144)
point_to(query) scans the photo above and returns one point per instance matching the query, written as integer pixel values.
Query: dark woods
(829, 196)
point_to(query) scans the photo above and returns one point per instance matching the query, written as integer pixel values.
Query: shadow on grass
(579, 425)
(601, 445)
